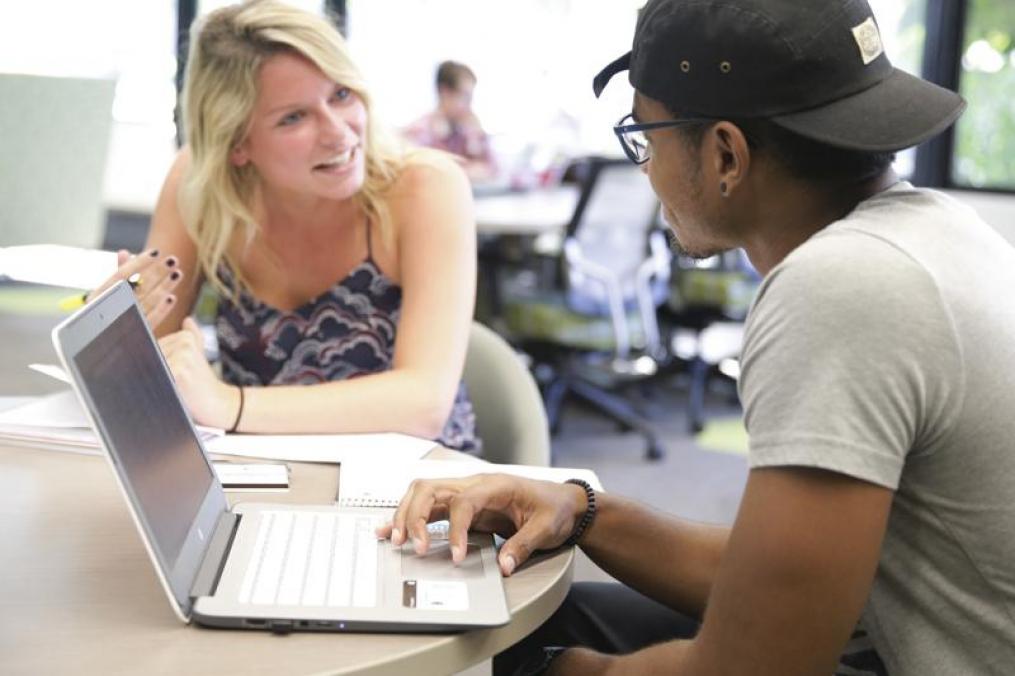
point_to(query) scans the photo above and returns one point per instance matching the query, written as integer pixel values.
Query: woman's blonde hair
(227, 50)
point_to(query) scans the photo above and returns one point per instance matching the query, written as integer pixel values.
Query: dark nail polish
(175, 275)
(154, 253)
(169, 300)
(170, 262)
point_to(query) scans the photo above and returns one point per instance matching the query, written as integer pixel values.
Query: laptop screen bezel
(72, 336)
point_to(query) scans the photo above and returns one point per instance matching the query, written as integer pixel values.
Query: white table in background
(532, 212)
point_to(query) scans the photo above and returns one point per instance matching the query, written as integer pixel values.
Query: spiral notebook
(372, 484)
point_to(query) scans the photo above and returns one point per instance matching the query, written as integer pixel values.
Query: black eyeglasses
(632, 136)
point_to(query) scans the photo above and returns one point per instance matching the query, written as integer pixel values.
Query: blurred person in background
(453, 126)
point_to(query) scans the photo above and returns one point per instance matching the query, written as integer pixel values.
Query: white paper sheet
(57, 410)
(366, 483)
(66, 439)
(51, 370)
(388, 448)
(57, 265)
(58, 419)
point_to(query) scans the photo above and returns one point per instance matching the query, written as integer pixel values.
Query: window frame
(942, 65)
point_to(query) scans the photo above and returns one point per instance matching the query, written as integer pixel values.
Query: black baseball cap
(815, 67)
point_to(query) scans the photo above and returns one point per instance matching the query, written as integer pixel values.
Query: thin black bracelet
(587, 518)
(239, 412)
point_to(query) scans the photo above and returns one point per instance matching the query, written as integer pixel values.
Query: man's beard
(697, 254)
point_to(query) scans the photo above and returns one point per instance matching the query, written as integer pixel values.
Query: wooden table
(78, 594)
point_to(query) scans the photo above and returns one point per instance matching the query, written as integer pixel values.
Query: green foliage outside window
(985, 134)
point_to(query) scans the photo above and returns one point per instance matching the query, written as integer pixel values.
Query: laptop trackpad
(436, 564)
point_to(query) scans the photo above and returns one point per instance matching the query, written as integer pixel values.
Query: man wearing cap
(876, 533)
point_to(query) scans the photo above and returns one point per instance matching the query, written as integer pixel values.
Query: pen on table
(77, 300)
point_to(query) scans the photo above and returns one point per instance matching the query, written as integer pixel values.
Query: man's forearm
(668, 559)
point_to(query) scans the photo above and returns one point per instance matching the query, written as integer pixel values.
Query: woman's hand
(153, 277)
(210, 401)
(532, 514)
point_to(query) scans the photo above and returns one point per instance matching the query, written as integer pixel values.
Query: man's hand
(210, 401)
(531, 514)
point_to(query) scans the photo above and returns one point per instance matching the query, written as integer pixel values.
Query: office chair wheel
(655, 450)
(695, 426)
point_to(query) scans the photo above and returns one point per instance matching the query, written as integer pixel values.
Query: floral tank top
(346, 332)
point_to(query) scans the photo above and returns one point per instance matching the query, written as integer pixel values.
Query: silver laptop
(258, 566)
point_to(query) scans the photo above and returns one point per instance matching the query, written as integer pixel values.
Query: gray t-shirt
(884, 348)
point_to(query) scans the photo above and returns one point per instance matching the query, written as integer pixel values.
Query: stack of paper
(52, 421)
(58, 422)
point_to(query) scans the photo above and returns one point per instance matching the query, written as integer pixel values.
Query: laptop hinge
(214, 562)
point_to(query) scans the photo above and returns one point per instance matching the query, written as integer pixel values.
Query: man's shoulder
(902, 236)
(848, 283)
(846, 262)
(913, 219)
(900, 233)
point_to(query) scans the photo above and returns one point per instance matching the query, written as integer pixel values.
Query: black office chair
(590, 325)
(702, 320)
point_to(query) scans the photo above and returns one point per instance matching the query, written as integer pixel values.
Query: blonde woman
(345, 267)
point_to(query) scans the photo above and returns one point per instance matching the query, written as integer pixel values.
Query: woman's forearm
(391, 401)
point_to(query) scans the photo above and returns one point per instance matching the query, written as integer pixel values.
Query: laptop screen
(147, 429)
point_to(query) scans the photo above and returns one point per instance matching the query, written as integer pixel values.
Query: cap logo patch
(868, 39)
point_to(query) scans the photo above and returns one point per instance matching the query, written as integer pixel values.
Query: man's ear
(731, 156)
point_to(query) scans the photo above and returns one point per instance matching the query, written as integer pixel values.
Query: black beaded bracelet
(587, 517)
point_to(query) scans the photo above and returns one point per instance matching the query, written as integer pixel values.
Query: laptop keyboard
(313, 559)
